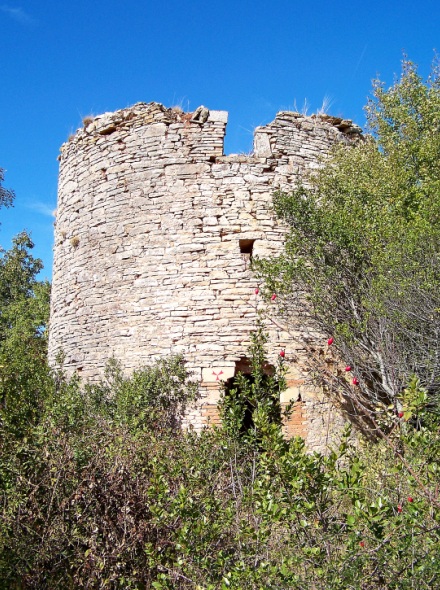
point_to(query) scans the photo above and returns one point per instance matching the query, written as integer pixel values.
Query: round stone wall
(154, 234)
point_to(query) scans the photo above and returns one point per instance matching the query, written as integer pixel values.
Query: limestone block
(186, 170)
(290, 394)
(218, 117)
(262, 147)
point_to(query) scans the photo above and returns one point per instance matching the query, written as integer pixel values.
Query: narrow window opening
(246, 246)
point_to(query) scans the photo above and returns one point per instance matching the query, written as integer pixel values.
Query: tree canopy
(6, 195)
(362, 257)
(24, 316)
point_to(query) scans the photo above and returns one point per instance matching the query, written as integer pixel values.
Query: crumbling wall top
(276, 138)
(272, 140)
(139, 115)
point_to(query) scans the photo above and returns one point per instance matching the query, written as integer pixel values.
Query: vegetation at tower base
(105, 492)
(362, 259)
(251, 406)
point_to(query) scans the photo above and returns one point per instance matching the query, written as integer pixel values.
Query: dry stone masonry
(154, 234)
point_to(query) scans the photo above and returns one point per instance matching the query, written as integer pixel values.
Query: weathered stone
(200, 115)
(262, 147)
(147, 248)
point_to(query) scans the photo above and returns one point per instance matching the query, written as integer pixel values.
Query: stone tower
(154, 234)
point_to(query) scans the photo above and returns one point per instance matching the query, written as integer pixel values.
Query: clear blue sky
(62, 60)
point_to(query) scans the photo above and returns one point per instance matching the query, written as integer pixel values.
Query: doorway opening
(242, 387)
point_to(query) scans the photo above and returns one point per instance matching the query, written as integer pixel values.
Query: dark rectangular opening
(246, 246)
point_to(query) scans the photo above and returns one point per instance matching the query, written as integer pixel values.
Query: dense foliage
(24, 315)
(362, 259)
(106, 491)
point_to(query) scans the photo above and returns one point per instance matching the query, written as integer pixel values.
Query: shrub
(361, 262)
(106, 492)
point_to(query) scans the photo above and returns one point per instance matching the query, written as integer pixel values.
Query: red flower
(257, 291)
(400, 414)
(410, 499)
(348, 368)
(362, 544)
(273, 297)
(399, 508)
(355, 381)
(330, 341)
(282, 353)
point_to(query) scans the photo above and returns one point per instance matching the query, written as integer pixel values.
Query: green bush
(105, 491)
(24, 315)
(251, 407)
(361, 260)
